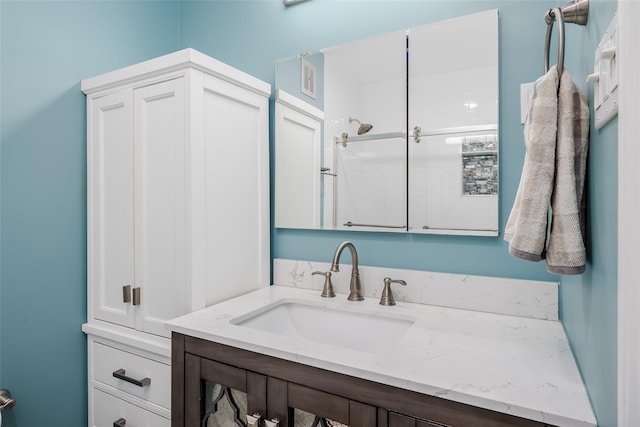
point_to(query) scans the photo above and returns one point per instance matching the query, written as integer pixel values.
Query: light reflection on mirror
(399, 134)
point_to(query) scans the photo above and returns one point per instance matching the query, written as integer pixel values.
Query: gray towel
(556, 139)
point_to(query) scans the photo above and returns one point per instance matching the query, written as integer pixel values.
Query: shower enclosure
(405, 135)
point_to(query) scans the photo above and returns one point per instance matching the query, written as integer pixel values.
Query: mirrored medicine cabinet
(394, 133)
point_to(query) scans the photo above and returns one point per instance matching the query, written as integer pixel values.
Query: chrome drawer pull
(272, 423)
(120, 374)
(120, 423)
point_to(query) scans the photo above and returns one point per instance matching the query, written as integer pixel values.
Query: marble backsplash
(515, 297)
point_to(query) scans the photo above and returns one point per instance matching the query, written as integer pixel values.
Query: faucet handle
(327, 290)
(387, 295)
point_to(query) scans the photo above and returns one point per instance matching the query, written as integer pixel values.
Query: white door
(110, 207)
(159, 131)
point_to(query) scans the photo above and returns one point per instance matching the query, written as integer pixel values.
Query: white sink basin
(344, 326)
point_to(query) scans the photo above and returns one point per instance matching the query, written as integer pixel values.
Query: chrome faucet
(355, 287)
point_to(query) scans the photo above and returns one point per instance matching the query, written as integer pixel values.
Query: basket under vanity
(178, 217)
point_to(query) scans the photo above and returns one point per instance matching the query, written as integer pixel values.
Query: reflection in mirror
(453, 164)
(365, 83)
(393, 133)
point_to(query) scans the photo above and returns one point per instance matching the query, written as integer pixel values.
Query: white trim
(628, 213)
(157, 348)
(176, 61)
(285, 98)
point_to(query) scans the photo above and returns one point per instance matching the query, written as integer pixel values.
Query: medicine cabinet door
(453, 143)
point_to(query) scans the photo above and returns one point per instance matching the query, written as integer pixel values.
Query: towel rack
(575, 12)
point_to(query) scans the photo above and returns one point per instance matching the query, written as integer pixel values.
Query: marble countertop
(515, 365)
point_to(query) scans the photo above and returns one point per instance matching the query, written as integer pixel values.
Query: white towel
(556, 139)
(526, 228)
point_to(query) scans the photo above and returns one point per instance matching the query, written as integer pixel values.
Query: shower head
(364, 127)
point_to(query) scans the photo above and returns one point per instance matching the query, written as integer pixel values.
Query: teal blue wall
(266, 30)
(589, 302)
(47, 48)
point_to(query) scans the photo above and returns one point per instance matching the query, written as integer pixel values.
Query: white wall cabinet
(178, 203)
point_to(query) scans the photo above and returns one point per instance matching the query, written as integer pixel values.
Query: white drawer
(108, 409)
(108, 360)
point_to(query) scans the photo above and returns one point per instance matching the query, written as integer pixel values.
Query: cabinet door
(299, 406)
(235, 195)
(159, 131)
(110, 206)
(453, 106)
(218, 395)
(460, 417)
(397, 420)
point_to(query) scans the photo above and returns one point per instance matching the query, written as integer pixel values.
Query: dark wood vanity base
(275, 386)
